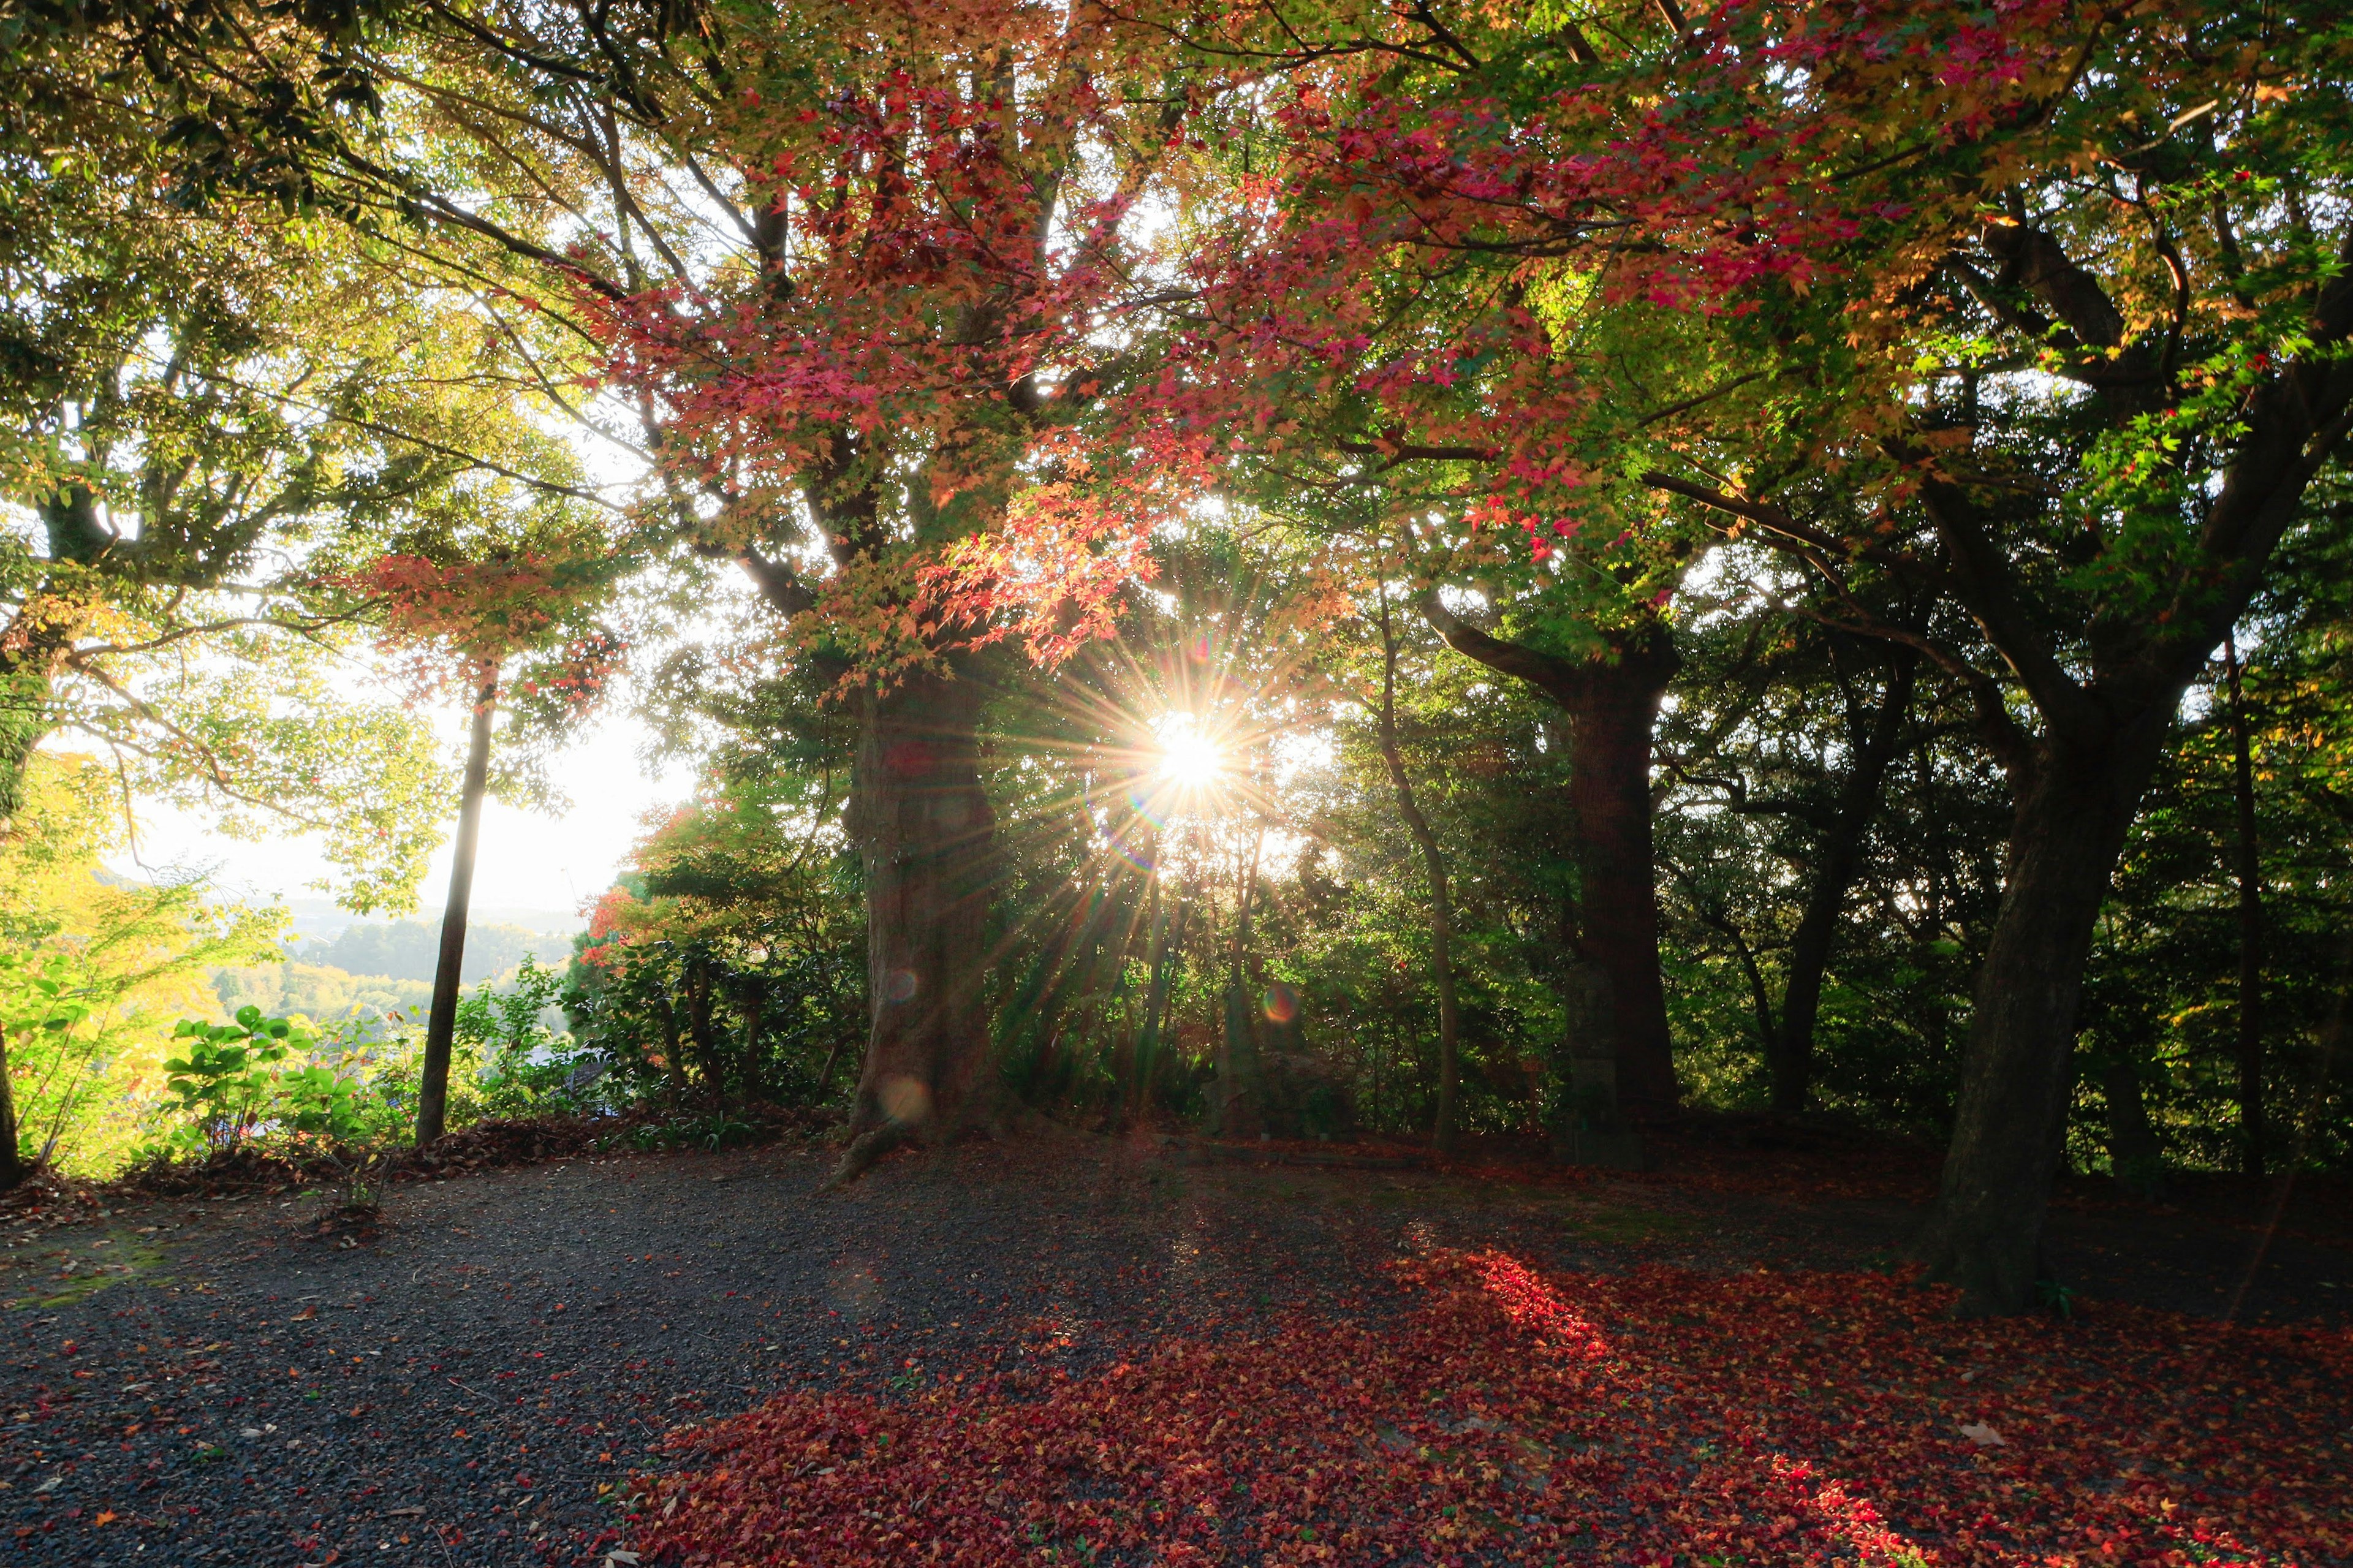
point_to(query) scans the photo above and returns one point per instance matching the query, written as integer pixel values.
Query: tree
(930, 233)
(1441, 903)
(1879, 221)
(737, 918)
(2103, 541)
(206, 411)
(460, 622)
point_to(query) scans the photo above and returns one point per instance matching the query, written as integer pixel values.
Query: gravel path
(209, 1384)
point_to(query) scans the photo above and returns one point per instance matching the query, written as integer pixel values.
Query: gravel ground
(211, 1384)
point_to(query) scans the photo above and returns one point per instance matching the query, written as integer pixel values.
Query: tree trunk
(2251, 1132)
(2067, 830)
(695, 981)
(1441, 906)
(441, 1022)
(1242, 1066)
(1609, 790)
(12, 1168)
(1611, 703)
(34, 647)
(1167, 941)
(2135, 1155)
(1791, 1047)
(751, 1001)
(926, 834)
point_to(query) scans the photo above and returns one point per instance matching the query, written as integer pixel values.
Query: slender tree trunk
(1241, 1069)
(2135, 1155)
(752, 999)
(926, 834)
(12, 1168)
(673, 1054)
(696, 982)
(441, 1022)
(1609, 790)
(2252, 1132)
(1137, 1104)
(1167, 941)
(1443, 1136)
(2017, 1069)
(1839, 857)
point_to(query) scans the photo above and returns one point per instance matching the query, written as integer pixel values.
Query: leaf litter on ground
(1511, 1414)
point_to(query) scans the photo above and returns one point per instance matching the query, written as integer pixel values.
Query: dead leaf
(1985, 1436)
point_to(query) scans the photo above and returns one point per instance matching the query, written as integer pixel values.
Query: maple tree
(949, 199)
(1572, 305)
(1903, 219)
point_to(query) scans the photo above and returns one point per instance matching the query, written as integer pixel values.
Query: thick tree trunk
(1609, 790)
(926, 834)
(2017, 1069)
(441, 1022)
(2251, 1132)
(1443, 1135)
(1838, 856)
(1611, 704)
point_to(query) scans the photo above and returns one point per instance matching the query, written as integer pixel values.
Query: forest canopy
(1476, 576)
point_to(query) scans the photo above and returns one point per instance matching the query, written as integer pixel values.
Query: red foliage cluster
(1508, 1417)
(455, 620)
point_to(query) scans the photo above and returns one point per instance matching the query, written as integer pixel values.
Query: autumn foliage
(1504, 1414)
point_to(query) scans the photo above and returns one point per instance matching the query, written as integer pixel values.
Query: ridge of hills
(377, 968)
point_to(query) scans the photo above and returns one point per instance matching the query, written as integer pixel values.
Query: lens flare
(1190, 759)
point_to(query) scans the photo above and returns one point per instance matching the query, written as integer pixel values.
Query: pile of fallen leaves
(1509, 1417)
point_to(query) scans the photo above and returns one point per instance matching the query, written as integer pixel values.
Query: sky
(529, 861)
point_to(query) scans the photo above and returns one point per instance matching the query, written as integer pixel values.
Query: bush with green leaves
(221, 1084)
(269, 1078)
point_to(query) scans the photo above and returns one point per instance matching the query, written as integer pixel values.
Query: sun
(1189, 759)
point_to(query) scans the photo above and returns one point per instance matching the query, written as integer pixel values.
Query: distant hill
(409, 950)
(321, 994)
(322, 920)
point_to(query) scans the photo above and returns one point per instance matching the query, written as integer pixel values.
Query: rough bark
(1611, 705)
(2252, 1135)
(2017, 1067)
(1609, 791)
(926, 834)
(441, 1022)
(1838, 857)
(1443, 1134)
